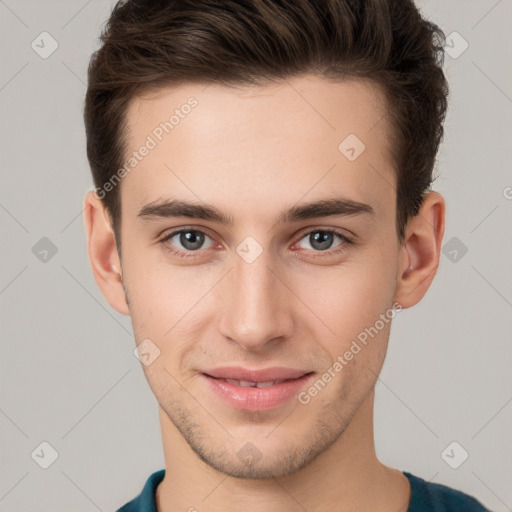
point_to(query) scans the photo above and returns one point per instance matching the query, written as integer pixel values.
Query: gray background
(68, 373)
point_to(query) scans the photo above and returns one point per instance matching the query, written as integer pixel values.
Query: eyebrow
(323, 208)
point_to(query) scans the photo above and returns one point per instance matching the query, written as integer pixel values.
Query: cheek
(166, 300)
(352, 301)
(350, 295)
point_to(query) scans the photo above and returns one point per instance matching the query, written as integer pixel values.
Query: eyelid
(345, 233)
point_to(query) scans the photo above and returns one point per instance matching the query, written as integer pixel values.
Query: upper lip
(263, 375)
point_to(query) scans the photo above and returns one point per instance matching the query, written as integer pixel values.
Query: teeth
(244, 383)
(249, 384)
(266, 384)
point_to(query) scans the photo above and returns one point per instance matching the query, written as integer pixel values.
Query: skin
(254, 152)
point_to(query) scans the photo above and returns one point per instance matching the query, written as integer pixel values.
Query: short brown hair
(149, 44)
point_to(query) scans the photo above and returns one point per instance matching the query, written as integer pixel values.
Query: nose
(257, 304)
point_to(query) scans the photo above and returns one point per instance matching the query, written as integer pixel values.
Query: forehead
(267, 143)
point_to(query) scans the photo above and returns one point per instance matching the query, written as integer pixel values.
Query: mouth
(249, 384)
(258, 393)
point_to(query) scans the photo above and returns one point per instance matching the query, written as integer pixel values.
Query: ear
(101, 246)
(420, 251)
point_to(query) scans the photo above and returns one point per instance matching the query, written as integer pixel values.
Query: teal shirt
(425, 497)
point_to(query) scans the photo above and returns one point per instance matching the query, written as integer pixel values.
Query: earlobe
(102, 250)
(420, 251)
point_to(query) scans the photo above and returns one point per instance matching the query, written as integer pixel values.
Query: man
(262, 211)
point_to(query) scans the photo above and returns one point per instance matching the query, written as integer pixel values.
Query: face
(282, 287)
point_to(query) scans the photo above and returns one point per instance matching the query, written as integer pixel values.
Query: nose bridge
(256, 310)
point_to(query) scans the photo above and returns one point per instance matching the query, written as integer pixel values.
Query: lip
(262, 375)
(255, 399)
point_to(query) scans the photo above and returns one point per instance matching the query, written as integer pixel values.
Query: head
(295, 142)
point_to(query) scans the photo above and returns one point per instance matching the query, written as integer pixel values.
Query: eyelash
(346, 240)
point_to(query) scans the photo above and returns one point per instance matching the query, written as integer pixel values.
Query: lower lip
(257, 399)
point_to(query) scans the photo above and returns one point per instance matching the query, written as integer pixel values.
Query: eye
(191, 240)
(321, 240)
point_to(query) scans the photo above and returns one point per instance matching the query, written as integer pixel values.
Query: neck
(346, 476)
